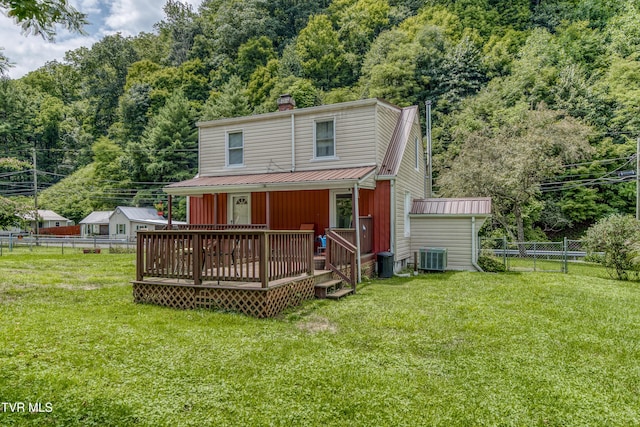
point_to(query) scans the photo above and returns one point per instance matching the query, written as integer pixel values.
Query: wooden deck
(254, 271)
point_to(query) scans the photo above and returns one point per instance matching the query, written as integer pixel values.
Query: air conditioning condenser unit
(433, 259)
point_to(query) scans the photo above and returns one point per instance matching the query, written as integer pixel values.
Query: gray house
(125, 221)
(95, 224)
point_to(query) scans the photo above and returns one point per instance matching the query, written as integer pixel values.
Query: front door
(239, 209)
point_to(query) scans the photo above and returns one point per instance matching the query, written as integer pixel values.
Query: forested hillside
(534, 102)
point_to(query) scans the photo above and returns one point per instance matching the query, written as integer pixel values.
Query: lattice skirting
(258, 303)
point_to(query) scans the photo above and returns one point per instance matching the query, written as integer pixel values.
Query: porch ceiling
(277, 181)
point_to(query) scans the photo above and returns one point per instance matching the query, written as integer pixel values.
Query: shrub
(491, 263)
(616, 236)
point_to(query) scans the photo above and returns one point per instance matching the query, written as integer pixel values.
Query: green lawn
(442, 349)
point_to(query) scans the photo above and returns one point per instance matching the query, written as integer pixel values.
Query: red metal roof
(276, 178)
(462, 206)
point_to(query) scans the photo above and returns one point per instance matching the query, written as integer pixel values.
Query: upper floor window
(235, 149)
(325, 141)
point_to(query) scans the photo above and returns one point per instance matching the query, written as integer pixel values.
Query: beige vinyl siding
(267, 139)
(355, 137)
(453, 233)
(412, 181)
(267, 147)
(386, 123)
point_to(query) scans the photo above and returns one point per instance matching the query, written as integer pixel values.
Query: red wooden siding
(366, 204)
(382, 217)
(258, 203)
(290, 209)
(201, 209)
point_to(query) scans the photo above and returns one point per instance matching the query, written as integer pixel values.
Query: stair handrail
(350, 249)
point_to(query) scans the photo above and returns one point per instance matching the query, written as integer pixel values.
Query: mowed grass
(452, 349)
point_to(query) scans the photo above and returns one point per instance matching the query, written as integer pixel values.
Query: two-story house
(353, 165)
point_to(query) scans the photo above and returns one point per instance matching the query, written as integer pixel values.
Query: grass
(442, 349)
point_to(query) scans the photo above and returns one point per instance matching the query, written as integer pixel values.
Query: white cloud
(128, 17)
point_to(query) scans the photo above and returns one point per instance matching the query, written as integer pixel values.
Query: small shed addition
(95, 224)
(452, 224)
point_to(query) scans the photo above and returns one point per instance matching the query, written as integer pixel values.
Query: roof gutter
(474, 244)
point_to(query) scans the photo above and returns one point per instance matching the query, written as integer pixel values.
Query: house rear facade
(353, 165)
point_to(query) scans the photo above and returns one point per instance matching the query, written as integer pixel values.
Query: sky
(128, 17)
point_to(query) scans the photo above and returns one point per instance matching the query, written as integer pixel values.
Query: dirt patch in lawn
(317, 324)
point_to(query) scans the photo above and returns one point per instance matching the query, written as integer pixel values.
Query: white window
(122, 228)
(235, 148)
(324, 139)
(418, 152)
(57, 224)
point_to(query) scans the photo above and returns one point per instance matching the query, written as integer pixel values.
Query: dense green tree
(103, 71)
(133, 112)
(322, 55)
(181, 28)
(624, 32)
(171, 142)
(232, 101)
(508, 163)
(254, 53)
(462, 74)
(359, 22)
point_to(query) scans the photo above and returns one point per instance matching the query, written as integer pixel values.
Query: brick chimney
(286, 102)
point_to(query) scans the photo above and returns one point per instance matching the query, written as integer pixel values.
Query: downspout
(392, 238)
(474, 252)
(356, 214)
(293, 143)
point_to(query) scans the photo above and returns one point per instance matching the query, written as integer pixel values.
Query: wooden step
(340, 293)
(323, 289)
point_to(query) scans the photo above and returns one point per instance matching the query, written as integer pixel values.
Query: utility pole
(35, 192)
(428, 156)
(638, 178)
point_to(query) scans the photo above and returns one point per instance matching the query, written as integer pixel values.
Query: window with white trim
(122, 229)
(235, 148)
(324, 139)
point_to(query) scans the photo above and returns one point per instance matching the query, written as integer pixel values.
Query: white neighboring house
(125, 221)
(95, 224)
(46, 219)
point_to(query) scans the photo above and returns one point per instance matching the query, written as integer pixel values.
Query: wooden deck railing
(182, 227)
(366, 234)
(341, 258)
(240, 255)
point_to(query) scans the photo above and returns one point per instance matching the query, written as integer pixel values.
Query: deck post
(356, 219)
(264, 259)
(327, 253)
(139, 257)
(310, 249)
(197, 259)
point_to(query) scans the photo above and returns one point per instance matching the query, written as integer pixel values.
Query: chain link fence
(64, 244)
(535, 256)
